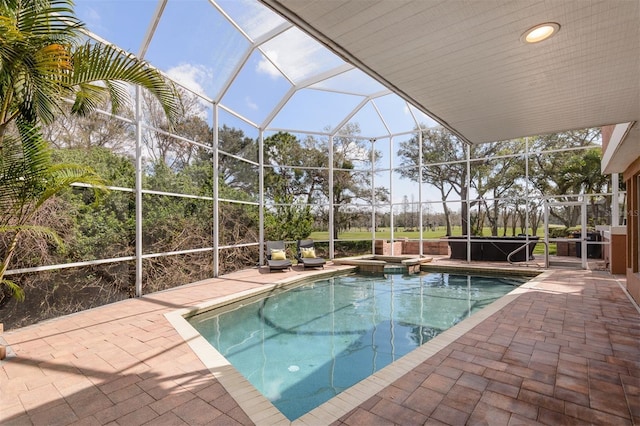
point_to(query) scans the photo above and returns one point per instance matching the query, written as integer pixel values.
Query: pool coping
(262, 412)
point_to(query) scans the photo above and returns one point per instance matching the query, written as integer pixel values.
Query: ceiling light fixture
(540, 32)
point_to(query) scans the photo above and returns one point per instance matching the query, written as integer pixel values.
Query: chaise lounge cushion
(306, 247)
(308, 253)
(277, 254)
(277, 249)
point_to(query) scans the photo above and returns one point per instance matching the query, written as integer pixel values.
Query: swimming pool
(302, 346)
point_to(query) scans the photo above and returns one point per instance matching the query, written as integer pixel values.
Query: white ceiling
(463, 62)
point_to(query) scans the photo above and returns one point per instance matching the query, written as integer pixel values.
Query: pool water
(303, 346)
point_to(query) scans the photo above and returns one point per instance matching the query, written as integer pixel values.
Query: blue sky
(197, 46)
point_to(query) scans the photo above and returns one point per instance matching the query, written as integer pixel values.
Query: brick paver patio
(566, 351)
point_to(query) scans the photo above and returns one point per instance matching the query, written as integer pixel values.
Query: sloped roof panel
(256, 89)
(202, 55)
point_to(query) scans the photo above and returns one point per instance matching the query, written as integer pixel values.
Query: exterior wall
(633, 286)
(566, 248)
(383, 247)
(428, 247)
(616, 254)
(631, 176)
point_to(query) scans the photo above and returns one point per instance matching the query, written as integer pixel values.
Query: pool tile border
(262, 412)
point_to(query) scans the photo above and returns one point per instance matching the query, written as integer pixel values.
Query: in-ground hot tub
(385, 264)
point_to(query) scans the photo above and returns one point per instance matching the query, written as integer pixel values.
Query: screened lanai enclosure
(281, 138)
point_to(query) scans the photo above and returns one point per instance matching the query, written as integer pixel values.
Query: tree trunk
(336, 221)
(447, 219)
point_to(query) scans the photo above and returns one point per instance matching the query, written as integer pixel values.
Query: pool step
(385, 264)
(565, 264)
(395, 269)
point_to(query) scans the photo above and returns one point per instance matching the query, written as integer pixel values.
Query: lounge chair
(307, 255)
(277, 256)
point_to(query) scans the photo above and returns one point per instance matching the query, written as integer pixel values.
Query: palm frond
(53, 19)
(36, 37)
(15, 290)
(89, 97)
(41, 66)
(37, 87)
(23, 169)
(37, 232)
(98, 62)
(117, 93)
(8, 5)
(62, 176)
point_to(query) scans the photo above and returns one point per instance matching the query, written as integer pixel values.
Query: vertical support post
(468, 184)
(583, 233)
(528, 203)
(216, 202)
(546, 233)
(420, 224)
(373, 197)
(615, 205)
(526, 193)
(138, 192)
(331, 206)
(615, 214)
(391, 219)
(261, 193)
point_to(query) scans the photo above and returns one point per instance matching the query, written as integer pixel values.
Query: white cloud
(297, 55)
(251, 104)
(266, 67)
(194, 77)
(300, 58)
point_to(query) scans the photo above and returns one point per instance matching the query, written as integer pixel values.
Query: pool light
(540, 32)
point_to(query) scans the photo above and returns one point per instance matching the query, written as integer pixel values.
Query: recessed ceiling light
(540, 32)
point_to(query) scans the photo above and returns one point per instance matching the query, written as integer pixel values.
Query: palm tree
(43, 65)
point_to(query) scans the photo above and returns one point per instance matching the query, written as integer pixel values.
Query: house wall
(428, 247)
(412, 247)
(566, 248)
(384, 248)
(631, 176)
(615, 254)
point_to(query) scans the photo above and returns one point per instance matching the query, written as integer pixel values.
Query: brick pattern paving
(566, 353)
(120, 364)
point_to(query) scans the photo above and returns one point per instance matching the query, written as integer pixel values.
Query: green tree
(28, 179)
(289, 186)
(443, 156)
(285, 161)
(101, 230)
(582, 174)
(233, 172)
(556, 167)
(352, 158)
(42, 65)
(495, 172)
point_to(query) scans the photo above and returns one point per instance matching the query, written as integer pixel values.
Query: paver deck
(564, 351)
